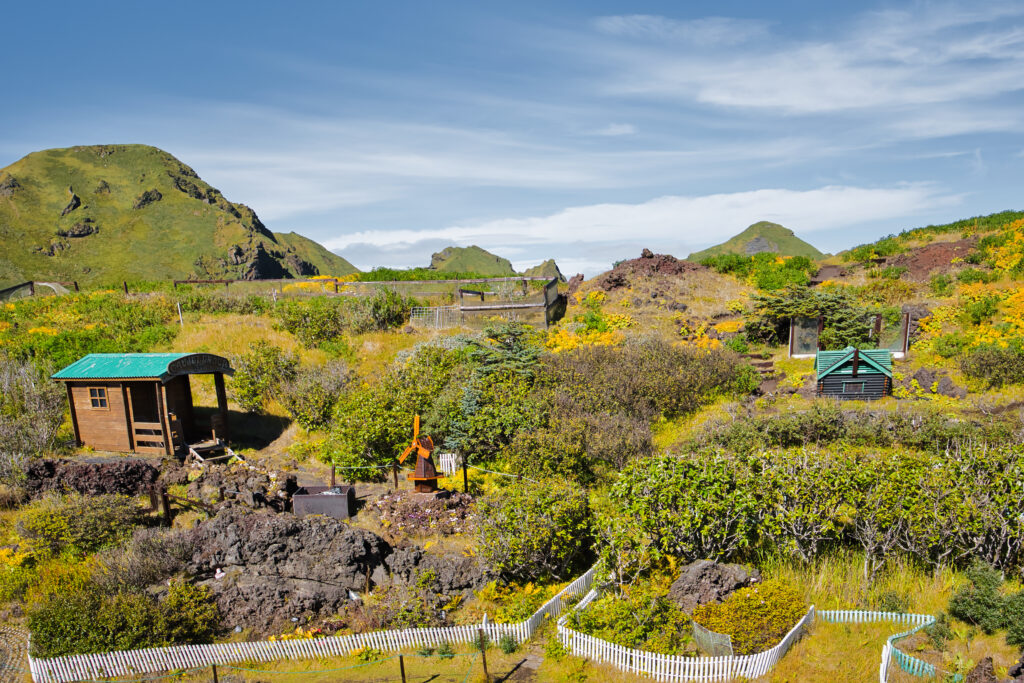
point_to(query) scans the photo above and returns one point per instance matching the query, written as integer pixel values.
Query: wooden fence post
(333, 469)
(483, 654)
(125, 284)
(165, 506)
(214, 667)
(394, 471)
(401, 659)
(465, 475)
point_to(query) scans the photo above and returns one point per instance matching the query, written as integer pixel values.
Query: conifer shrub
(756, 618)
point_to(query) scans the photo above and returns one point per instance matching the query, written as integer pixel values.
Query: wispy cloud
(616, 129)
(697, 32)
(673, 222)
(891, 60)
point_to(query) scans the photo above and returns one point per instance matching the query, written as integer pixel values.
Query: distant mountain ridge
(471, 259)
(761, 237)
(104, 213)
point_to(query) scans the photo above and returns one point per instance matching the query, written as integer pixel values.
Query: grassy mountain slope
(471, 259)
(103, 213)
(547, 269)
(762, 236)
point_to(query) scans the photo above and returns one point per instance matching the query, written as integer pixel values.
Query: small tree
(260, 373)
(534, 530)
(702, 506)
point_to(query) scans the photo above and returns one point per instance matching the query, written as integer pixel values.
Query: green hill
(471, 260)
(104, 213)
(547, 269)
(759, 237)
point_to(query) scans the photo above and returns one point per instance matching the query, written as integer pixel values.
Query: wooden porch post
(222, 403)
(74, 415)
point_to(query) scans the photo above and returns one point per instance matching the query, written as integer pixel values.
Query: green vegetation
(766, 271)
(106, 213)
(756, 617)
(766, 237)
(471, 259)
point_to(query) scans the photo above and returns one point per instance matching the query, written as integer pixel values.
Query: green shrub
(1013, 617)
(84, 620)
(311, 395)
(445, 650)
(995, 365)
(78, 524)
(756, 618)
(670, 499)
(940, 632)
(950, 345)
(643, 617)
(974, 275)
(507, 644)
(980, 603)
(535, 530)
(941, 284)
(260, 373)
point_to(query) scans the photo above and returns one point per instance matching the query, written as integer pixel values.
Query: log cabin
(854, 374)
(142, 402)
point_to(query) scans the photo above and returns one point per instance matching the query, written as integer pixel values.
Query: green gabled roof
(872, 361)
(140, 366)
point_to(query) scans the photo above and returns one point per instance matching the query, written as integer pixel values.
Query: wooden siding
(102, 428)
(179, 402)
(843, 387)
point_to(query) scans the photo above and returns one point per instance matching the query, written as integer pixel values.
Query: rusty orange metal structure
(424, 474)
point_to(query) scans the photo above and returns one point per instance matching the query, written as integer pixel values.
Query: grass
(465, 666)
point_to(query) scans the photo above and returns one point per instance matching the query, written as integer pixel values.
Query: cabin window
(853, 387)
(98, 397)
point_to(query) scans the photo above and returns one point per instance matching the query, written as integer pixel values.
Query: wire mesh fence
(712, 644)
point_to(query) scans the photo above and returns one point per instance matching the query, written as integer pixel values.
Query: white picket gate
(182, 657)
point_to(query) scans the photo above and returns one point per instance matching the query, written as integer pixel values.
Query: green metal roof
(160, 366)
(871, 361)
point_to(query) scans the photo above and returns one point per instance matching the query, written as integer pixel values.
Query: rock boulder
(707, 581)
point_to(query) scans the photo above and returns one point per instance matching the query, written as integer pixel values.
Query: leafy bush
(311, 395)
(84, 620)
(941, 284)
(767, 271)
(320, 321)
(78, 524)
(260, 374)
(756, 617)
(980, 603)
(973, 275)
(507, 644)
(670, 500)
(535, 530)
(643, 617)
(995, 365)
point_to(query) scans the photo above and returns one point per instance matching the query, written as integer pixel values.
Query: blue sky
(579, 131)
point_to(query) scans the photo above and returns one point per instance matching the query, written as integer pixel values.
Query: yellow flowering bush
(756, 617)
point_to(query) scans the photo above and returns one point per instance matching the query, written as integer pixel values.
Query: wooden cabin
(142, 402)
(854, 374)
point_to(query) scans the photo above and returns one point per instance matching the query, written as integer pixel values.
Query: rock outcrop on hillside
(706, 581)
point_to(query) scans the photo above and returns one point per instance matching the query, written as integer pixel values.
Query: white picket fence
(181, 657)
(448, 463)
(890, 653)
(676, 668)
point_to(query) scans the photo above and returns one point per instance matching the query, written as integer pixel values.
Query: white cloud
(889, 60)
(677, 222)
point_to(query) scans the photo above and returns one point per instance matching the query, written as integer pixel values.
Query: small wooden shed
(857, 374)
(142, 402)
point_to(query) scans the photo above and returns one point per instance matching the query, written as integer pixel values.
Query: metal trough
(315, 500)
